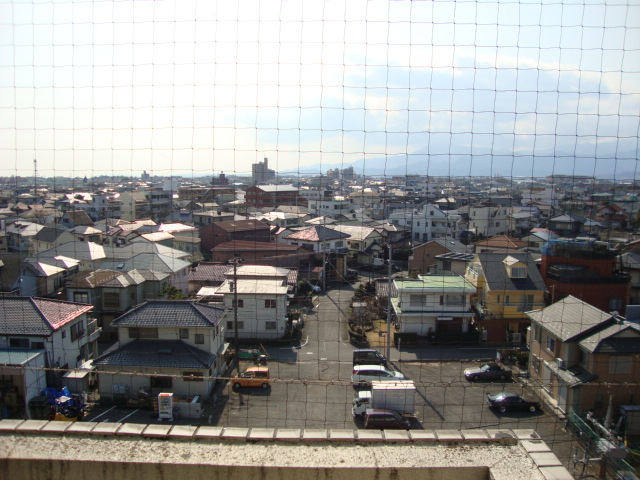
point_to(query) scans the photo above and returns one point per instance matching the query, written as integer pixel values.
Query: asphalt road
(311, 387)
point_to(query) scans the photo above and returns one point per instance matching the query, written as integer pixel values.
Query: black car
(511, 401)
(368, 356)
(383, 419)
(488, 371)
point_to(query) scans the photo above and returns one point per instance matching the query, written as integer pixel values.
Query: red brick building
(587, 270)
(271, 196)
(221, 232)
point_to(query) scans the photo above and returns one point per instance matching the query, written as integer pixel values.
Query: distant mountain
(620, 165)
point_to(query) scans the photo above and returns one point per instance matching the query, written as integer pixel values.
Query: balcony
(481, 309)
(93, 331)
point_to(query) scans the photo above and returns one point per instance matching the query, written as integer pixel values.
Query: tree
(173, 293)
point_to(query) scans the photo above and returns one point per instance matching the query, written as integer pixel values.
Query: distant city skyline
(459, 88)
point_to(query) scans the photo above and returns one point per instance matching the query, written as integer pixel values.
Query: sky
(197, 87)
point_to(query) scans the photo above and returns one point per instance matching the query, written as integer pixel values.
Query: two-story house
(164, 347)
(62, 329)
(433, 305)
(429, 223)
(584, 358)
(261, 294)
(364, 244)
(423, 256)
(508, 285)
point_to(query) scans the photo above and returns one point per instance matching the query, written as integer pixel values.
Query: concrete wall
(102, 450)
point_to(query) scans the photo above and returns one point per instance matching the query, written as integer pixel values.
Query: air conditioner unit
(561, 364)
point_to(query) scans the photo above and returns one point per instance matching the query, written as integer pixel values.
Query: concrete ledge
(30, 426)
(56, 427)
(131, 429)
(261, 434)
(342, 435)
(315, 435)
(545, 459)
(396, 435)
(370, 435)
(235, 433)
(106, 428)
(449, 435)
(505, 436)
(478, 435)
(10, 424)
(288, 434)
(209, 432)
(423, 435)
(524, 434)
(183, 431)
(81, 427)
(157, 430)
(532, 446)
(556, 473)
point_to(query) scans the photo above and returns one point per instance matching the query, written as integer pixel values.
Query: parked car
(511, 401)
(368, 356)
(252, 377)
(383, 418)
(488, 371)
(363, 375)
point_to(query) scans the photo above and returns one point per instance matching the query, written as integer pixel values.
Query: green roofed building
(433, 304)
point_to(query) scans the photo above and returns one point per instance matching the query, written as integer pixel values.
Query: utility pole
(388, 350)
(235, 311)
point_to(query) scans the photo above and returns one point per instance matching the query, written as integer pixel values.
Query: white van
(363, 375)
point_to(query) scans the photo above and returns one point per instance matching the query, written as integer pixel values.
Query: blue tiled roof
(171, 313)
(155, 353)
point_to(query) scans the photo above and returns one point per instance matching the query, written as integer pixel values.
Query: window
(431, 213)
(63, 333)
(111, 300)
(230, 325)
(37, 345)
(551, 343)
(518, 272)
(184, 333)
(615, 303)
(240, 303)
(339, 244)
(77, 331)
(415, 301)
(143, 332)
(271, 325)
(161, 382)
(199, 338)
(455, 300)
(417, 224)
(19, 342)
(192, 376)
(526, 303)
(81, 297)
(269, 303)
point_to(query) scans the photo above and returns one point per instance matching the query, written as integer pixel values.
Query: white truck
(398, 396)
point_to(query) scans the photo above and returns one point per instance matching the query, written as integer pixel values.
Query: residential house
(538, 238)
(488, 219)
(436, 306)
(50, 237)
(428, 223)
(252, 252)
(87, 234)
(20, 235)
(177, 269)
(423, 256)
(89, 254)
(567, 225)
(630, 263)
(451, 263)
(207, 274)
(45, 277)
(221, 232)
(283, 219)
(164, 347)
(508, 285)
(365, 244)
(584, 358)
(588, 270)
(202, 218)
(331, 207)
(23, 372)
(318, 238)
(500, 243)
(63, 330)
(261, 294)
(114, 292)
(75, 218)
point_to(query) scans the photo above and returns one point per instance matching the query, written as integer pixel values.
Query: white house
(62, 329)
(428, 223)
(488, 219)
(433, 304)
(261, 293)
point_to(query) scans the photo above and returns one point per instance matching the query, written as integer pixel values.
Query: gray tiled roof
(36, 316)
(171, 313)
(155, 353)
(569, 317)
(620, 337)
(497, 277)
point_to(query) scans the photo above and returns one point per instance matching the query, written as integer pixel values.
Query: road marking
(324, 358)
(103, 413)
(309, 353)
(124, 418)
